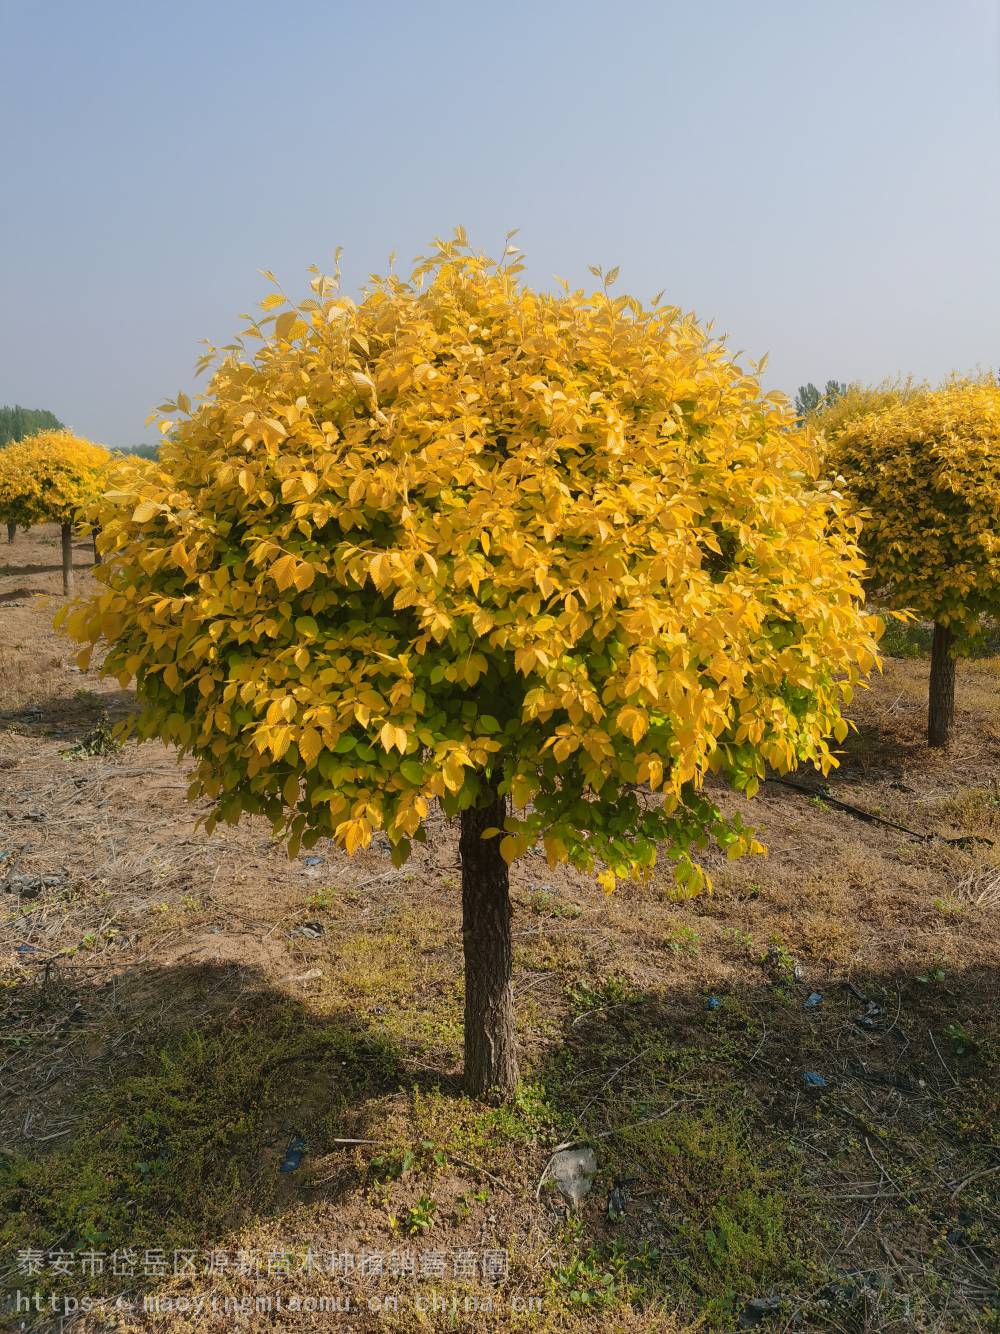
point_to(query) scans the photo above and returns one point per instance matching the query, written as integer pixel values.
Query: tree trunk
(490, 1045)
(94, 532)
(11, 531)
(941, 707)
(67, 558)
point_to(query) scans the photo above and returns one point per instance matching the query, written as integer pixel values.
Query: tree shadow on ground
(20, 594)
(193, 1086)
(726, 1175)
(880, 750)
(9, 569)
(72, 718)
(821, 1154)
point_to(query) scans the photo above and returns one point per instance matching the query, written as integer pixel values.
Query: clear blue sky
(820, 178)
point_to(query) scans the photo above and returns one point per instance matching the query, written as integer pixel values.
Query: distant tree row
(18, 422)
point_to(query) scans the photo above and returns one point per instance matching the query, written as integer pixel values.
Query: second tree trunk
(490, 1043)
(67, 558)
(941, 705)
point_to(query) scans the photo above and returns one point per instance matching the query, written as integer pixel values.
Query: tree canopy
(833, 415)
(461, 533)
(924, 464)
(49, 477)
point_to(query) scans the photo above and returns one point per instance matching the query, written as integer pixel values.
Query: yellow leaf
(310, 744)
(508, 848)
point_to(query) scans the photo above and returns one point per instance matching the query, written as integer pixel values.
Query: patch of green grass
(176, 1154)
(592, 1276)
(543, 903)
(607, 993)
(727, 1206)
(322, 898)
(682, 940)
(459, 1125)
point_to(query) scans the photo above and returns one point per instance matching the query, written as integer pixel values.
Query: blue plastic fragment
(313, 861)
(293, 1154)
(713, 1003)
(816, 998)
(814, 1080)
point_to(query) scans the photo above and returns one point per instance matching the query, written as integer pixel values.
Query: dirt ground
(789, 1085)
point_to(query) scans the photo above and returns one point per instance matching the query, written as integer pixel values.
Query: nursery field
(229, 1082)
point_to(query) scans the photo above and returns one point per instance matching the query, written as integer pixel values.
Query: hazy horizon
(821, 184)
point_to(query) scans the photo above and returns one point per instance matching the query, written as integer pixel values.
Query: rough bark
(490, 1042)
(11, 531)
(941, 704)
(67, 558)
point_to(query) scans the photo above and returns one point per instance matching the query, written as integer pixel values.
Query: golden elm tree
(49, 478)
(924, 467)
(547, 559)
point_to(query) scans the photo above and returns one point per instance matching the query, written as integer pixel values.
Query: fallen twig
(973, 1176)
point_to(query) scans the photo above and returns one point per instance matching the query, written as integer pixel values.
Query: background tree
(925, 466)
(48, 478)
(546, 559)
(809, 399)
(16, 423)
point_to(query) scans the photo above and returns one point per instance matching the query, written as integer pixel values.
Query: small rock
(30, 886)
(573, 1171)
